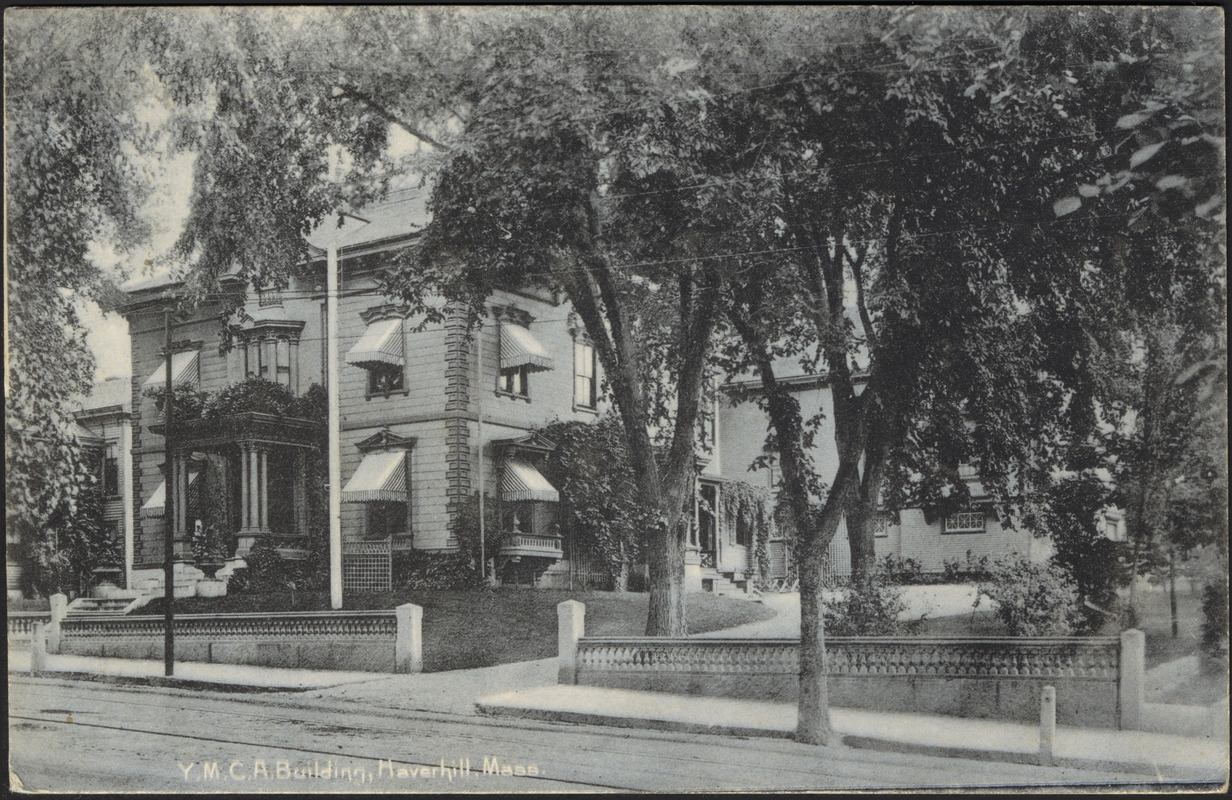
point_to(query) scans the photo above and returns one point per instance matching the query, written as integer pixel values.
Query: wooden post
(1048, 725)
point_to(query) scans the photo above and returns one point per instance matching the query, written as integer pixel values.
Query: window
(111, 471)
(881, 526)
(386, 519)
(380, 352)
(515, 381)
(744, 530)
(964, 522)
(584, 384)
(385, 379)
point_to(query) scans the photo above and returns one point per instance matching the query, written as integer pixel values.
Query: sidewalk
(1157, 755)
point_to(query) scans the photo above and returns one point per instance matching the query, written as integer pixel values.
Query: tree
(70, 186)
(915, 159)
(600, 508)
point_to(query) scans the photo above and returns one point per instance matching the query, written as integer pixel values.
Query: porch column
(301, 491)
(269, 359)
(244, 524)
(263, 489)
(181, 496)
(253, 488)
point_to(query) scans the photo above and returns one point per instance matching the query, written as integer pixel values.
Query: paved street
(72, 736)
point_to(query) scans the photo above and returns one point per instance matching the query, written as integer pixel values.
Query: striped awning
(156, 506)
(380, 344)
(381, 476)
(519, 348)
(523, 482)
(183, 370)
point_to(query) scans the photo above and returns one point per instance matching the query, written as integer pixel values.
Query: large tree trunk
(666, 616)
(813, 705)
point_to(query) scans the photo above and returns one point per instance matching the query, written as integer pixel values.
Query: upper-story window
(380, 351)
(111, 470)
(515, 381)
(964, 522)
(385, 379)
(585, 385)
(269, 359)
(520, 354)
(881, 525)
(707, 419)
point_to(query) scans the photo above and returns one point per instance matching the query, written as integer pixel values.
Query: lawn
(464, 629)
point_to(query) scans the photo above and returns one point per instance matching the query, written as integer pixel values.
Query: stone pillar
(408, 650)
(59, 610)
(38, 648)
(1048, 725)
(570, 626)
(1133, 679)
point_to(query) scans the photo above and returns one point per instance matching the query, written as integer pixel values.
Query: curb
(163, 681)
(589, 718)
(849, 740)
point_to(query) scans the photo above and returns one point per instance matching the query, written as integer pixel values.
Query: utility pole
(335, 422)
(483, 559)
(168, 508)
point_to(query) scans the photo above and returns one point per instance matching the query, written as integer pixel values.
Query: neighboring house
(428, 418)
(915, 533)
(104, 429)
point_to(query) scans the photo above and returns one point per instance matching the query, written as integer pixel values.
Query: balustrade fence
(1098, 679)
(21, 626)
(367, 641)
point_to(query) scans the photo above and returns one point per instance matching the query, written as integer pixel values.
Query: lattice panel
(367, 567)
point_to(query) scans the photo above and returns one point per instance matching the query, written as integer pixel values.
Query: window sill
(512, 396)
(964, 531)
(387, 395)
(581, 409)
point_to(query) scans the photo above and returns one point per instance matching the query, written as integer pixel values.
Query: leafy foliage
(1032, 599)
(870, 608)
(465, 530)
(77, 541)
(600, 509)
(267, 572)
(417, 569)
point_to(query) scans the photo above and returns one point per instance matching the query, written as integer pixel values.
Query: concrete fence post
(1048, 724)
(1133, 678)
(408, 649)
(59, 610)
(38, 648)
(570, 626)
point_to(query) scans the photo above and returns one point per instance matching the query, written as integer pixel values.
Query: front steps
(723, 583)
(105, 606)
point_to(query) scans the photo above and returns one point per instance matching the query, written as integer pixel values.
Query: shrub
(1032, 599)
(254, 394)
(267, 572)
(871, 609)
(973, 569)
(1214, 617)
(465, 529)
(901, 571)
(416, 569)
(186, 402)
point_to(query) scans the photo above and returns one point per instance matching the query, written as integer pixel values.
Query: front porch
(233, 482)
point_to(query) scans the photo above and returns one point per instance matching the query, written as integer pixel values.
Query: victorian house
(429, 418)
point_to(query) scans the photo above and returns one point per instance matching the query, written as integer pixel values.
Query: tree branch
(380, 110)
